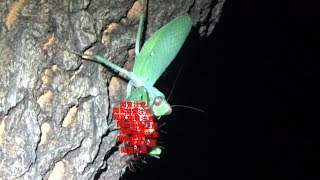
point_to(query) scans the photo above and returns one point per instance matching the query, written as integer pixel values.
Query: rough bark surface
(55, 120)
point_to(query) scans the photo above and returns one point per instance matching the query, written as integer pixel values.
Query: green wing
(161, 48)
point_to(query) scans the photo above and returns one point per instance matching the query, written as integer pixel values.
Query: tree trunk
(55, 108)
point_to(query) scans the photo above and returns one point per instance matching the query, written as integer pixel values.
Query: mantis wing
(161, 48)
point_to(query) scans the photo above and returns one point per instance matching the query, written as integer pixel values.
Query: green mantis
(155, 56)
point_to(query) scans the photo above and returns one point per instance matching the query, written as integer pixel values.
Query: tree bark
(55, 108)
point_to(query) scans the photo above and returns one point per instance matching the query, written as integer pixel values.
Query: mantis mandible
(155, 56)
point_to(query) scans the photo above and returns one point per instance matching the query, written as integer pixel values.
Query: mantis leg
(141, 27)
(138, 39)
(145, 97)
(128, 90)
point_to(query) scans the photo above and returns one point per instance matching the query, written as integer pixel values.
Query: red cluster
(137, 128)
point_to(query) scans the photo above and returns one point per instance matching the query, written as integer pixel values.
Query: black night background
(255, 80)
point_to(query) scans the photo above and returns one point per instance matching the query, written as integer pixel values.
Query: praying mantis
(155, 56)
(150, 62)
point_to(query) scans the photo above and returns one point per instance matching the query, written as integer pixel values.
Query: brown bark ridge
(55, 120)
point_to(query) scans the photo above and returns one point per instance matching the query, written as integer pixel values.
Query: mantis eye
(157, 101)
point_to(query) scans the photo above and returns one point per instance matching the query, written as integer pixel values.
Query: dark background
(255, 80)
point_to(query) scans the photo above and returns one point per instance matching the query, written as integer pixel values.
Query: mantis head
(160, 107)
